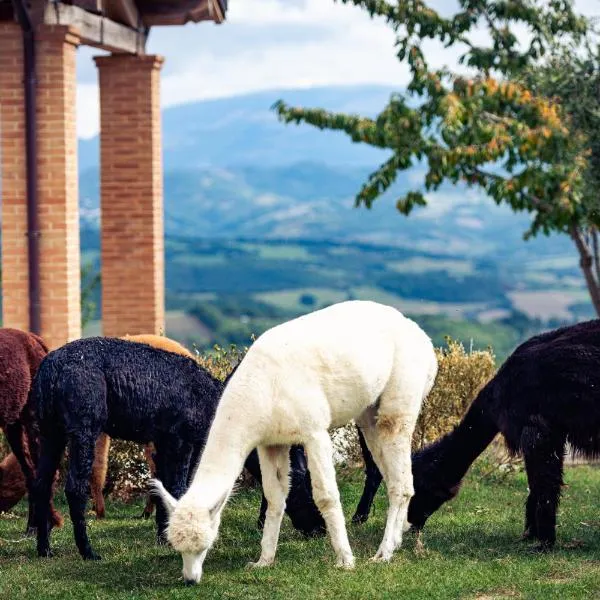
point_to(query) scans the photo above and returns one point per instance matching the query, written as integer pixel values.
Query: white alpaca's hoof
(260, 563)
(345, 562)
(382, 556)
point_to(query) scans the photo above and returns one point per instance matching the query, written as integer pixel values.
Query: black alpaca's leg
(172, 461)
(530, 532)
(253, 467)
(262, 515)
(16, 438)
(51, 452)
(544, 456)
(194, 460)
(300, 505)
(373, 479)
(77, 487)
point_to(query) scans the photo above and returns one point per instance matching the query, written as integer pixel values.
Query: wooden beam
(91, 5)
(96, 30)
(218, 11)
(123, 11)
(164, 12)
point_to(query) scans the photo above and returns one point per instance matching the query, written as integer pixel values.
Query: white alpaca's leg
(319, 452)
(392, 456)
(275, 470)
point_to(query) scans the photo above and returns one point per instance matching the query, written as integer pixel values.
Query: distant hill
(315, 201)
(245, 131)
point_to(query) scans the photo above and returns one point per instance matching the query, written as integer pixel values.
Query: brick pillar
(131, 195)
(57, 183)
(15, 305)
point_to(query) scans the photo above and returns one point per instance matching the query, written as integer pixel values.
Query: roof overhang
(135, 13)
(118, 25)
(163, 12)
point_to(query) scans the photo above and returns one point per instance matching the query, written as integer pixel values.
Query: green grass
(473, 551)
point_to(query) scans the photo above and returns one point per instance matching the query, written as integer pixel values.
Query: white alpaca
(354, 360)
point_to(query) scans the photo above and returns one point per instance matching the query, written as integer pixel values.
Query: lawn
(472, 544)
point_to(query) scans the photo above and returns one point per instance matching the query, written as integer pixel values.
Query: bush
(460, 376)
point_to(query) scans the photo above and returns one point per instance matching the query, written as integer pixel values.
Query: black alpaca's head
(303, 512)
(432, 488)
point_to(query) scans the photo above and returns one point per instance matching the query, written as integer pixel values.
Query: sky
(271, 44)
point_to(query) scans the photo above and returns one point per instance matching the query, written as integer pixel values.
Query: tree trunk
(586, 262)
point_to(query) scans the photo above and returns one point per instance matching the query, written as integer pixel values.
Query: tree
(90, 280)
(487, 130)
(572, 77)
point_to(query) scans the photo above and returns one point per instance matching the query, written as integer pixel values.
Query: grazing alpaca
(353, 360)
(130, 391)
(546, 394)
(100, 466)
(20, 356)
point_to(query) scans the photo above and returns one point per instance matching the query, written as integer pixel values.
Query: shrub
(128, 471)
(460, 376)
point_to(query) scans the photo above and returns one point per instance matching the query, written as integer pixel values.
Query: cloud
(269, 44)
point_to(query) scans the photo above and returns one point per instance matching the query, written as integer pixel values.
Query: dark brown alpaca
(20, 356)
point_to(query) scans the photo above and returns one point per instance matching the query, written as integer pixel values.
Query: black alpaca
(546, 394)
(130, 391)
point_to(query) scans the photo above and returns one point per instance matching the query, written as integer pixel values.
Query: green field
(224, 291)
(473, 551)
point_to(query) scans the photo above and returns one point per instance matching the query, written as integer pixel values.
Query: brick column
(15, 305)
(131, 195)
(57, 183)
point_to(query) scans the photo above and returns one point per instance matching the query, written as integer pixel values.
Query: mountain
(233, 170)
(315, 201)
(243, 130)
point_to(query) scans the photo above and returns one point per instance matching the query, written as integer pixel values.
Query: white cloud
(270, 44)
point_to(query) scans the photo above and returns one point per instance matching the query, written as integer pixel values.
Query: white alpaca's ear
(214, 511)
(157, 488)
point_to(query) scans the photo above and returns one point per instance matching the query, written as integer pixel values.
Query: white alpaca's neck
(226, 449)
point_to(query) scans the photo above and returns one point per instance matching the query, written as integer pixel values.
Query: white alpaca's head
(192, 529)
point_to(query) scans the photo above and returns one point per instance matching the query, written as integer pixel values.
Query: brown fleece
(12, 483)
(20, 356)
(389, 425)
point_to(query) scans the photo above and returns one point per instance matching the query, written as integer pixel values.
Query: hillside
(261, 215)
(310, 201)
(244, 131)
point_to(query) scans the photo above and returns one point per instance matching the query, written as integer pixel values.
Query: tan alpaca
(100, 467)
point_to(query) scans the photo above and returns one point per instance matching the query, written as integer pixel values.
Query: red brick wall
(15, 309)
(131, 195)
(57, 186)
